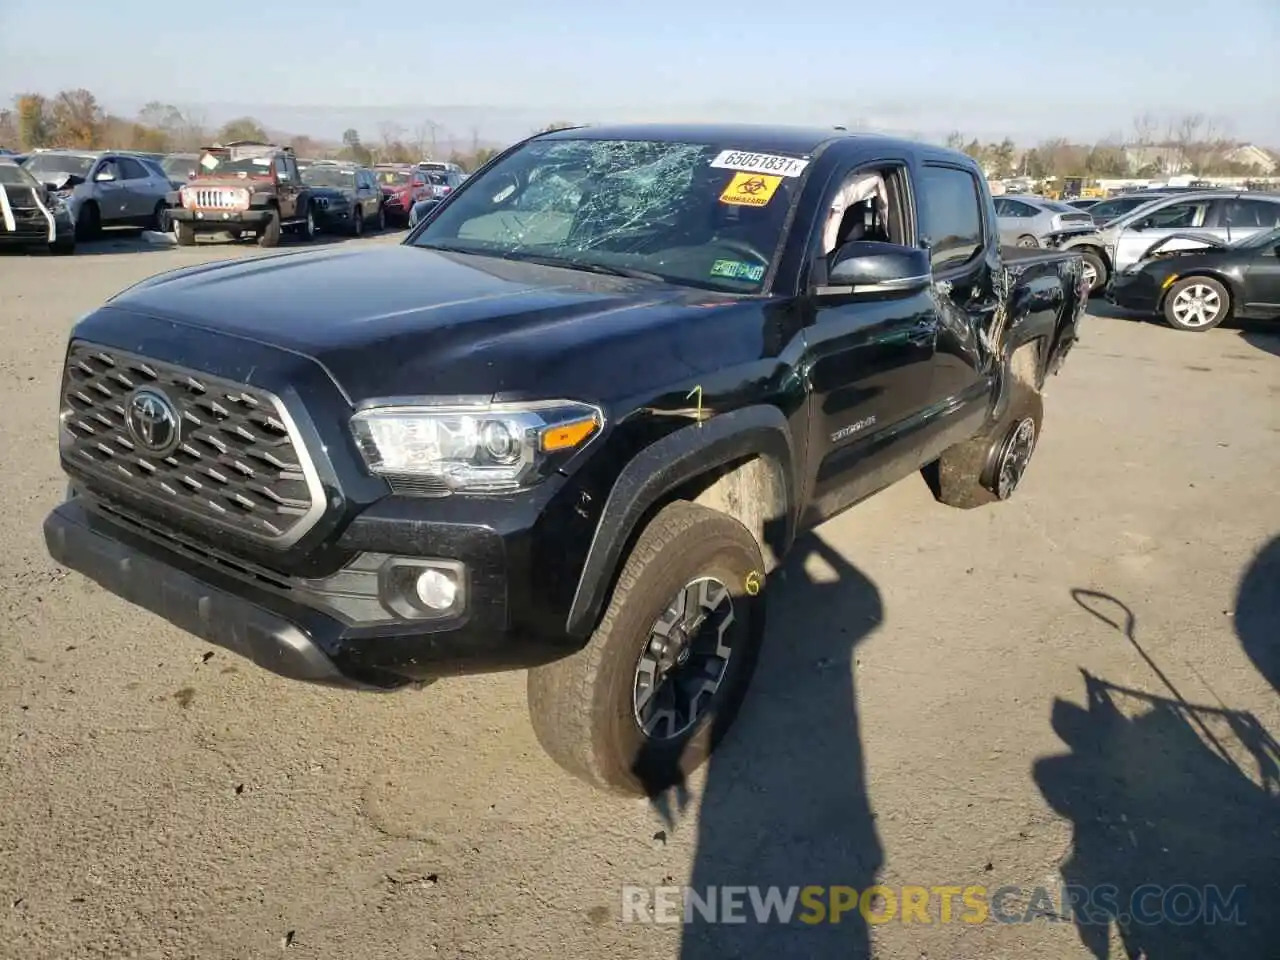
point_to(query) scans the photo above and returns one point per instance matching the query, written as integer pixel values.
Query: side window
(283, 174)
(109, 170)
(1252, 213)
(1003, 207)
(1178, 215)
(951, 219)
(131, 169)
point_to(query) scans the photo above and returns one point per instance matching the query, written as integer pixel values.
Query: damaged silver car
(29, 216)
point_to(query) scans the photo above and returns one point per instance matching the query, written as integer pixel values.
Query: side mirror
(104, 176)
(868, 266)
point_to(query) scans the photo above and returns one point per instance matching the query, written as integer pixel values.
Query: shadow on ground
(1257, 614)
(1265, 337)
(785, 802)
(1175, 808)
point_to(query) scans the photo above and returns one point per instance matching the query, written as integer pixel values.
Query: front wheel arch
(708, 463)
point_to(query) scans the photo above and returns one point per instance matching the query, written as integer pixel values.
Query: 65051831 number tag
(769, 163)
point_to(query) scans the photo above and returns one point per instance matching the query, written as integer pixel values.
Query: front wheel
(382, 219)
(1197, 304)
(269, 235)
(1095, 271)
(308, 227)
(160, 218)
(357, 223)
(88, 222)
(661, 679)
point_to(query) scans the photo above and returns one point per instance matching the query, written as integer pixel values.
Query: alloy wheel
(1014, 457)
(684, 661)
(1197, 305)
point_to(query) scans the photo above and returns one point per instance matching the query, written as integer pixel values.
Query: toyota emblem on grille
(153, 422)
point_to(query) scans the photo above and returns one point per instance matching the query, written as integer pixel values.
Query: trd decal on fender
(851, 429)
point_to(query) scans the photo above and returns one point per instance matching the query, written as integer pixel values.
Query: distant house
(1253, 157)
(1167, 160)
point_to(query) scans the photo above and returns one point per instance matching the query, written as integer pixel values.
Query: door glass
(1252, 213)
(1177, 216)
(952, 217)
(131, 169)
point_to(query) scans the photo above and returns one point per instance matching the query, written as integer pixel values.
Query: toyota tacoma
(572, 423)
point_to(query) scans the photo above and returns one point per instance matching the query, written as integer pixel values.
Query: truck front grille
(218, 199)
(222, 452)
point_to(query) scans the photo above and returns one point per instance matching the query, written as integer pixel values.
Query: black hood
(402, 321)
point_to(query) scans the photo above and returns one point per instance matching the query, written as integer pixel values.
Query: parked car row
(1194, 257)
(242, 188)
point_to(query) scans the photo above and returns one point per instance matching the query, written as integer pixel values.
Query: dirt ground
(1074, 686)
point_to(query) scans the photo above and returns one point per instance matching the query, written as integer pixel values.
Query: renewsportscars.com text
(1148, 904)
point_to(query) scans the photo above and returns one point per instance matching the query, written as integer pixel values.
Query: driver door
(287, 187)
(869, 365)
(111, 194)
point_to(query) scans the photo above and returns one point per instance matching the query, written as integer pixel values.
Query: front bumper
(1140, 292)
(284, 626)
(222, 219)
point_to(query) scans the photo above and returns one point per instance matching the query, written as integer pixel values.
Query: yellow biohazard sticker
(750, 189)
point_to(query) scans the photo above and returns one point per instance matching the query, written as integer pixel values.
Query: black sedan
(29, 216)
(1196, 288)
(345, 197)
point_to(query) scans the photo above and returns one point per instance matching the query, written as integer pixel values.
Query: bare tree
(955, 140)
(423, 134)
(193, 130)
(1145, 126)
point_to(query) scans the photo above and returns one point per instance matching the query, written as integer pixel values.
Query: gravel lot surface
(1077, 684)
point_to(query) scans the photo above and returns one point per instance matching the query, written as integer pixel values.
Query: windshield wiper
(586, 266)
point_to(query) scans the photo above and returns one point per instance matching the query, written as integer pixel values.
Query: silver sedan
(1036, 222)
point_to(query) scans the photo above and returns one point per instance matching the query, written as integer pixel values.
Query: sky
(990, 69)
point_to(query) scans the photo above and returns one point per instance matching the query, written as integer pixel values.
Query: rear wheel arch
(739, 464)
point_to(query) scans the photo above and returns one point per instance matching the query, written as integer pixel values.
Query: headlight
(485, 448)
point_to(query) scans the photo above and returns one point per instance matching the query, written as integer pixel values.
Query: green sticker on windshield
(737, 270)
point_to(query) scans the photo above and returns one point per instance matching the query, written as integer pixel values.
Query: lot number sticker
(759, 163)
(737, 270)
(750, 189)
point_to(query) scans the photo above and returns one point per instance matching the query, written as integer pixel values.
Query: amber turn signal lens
(566, 436)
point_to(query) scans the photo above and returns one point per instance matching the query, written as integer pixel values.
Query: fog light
(417, 588)
(436, 589)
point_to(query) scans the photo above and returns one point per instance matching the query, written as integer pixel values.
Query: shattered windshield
(687, 213)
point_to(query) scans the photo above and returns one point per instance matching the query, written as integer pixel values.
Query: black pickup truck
(573, 423)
